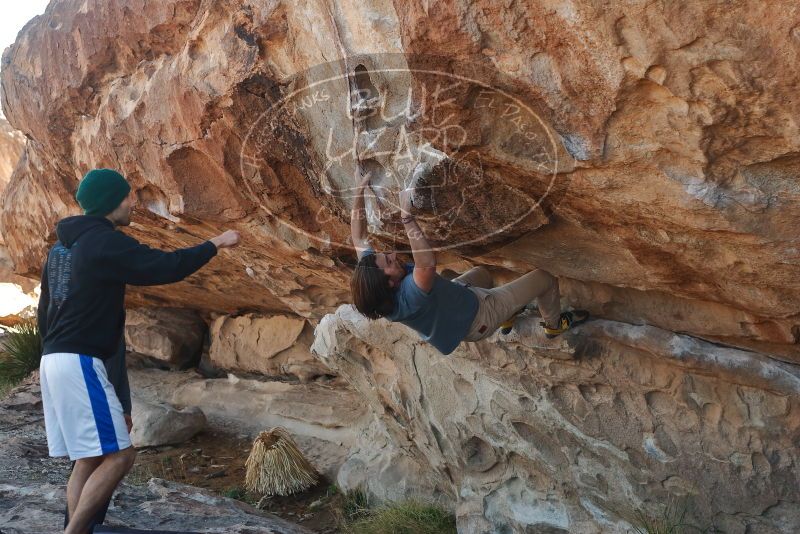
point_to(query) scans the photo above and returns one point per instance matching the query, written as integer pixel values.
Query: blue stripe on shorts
(100, 409)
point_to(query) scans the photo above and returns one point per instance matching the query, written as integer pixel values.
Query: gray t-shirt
(442, 316)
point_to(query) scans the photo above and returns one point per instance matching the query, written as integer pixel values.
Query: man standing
(81, 319)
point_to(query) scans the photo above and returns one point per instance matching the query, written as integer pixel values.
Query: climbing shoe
(567, 320)
(508, 324)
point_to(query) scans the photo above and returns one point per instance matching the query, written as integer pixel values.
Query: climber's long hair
(372, 295)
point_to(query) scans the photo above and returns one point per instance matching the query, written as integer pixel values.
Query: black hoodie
(82, 305)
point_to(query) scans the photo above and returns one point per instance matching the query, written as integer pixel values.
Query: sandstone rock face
(174, 336)
(645, 153)
(666, 144)
(159, 423)
(525, 434)
(273, 345)
(11, 146)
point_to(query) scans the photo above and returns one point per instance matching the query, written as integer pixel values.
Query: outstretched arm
(358, 218)
(424, 258)
(126, 260)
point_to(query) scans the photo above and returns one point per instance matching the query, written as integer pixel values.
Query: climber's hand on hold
(358, 215)
(406, 201)
(227, 239)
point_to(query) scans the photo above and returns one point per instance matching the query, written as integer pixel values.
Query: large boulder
(664, 165)
(12, 143)
(160, 423)
(174, 336)
(646, 153)
(576, 434)
(274, 345)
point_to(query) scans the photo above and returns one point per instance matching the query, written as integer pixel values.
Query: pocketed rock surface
(576, 434)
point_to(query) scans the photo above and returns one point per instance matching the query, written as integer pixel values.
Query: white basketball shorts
(82, 414)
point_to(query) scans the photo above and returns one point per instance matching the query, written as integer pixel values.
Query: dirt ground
(216, 461)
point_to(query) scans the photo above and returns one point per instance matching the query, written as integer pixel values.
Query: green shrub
(354, 505)
(20, 353)
(405, 517)
(235, 492)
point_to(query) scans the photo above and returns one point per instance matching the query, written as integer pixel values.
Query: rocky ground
(32, 484)
(215, 460)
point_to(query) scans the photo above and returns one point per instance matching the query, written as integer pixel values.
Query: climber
(444, 312)
(81, 318)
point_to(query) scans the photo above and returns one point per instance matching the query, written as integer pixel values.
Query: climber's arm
(424, 258)
(358, 219)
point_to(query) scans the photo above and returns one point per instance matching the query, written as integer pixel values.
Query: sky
(15, 13)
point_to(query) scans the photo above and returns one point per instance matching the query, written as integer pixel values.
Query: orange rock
(668, 134)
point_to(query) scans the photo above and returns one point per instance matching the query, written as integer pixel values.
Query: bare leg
(99, 487)
(80, 473)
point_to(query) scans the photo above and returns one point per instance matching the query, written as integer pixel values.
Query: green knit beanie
(101, 191)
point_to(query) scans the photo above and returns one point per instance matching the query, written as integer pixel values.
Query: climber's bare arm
(358, 218)
(424, 258)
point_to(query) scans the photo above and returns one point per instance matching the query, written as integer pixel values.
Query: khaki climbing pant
(498, 304)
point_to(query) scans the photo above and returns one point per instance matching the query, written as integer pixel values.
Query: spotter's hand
(227, 239)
